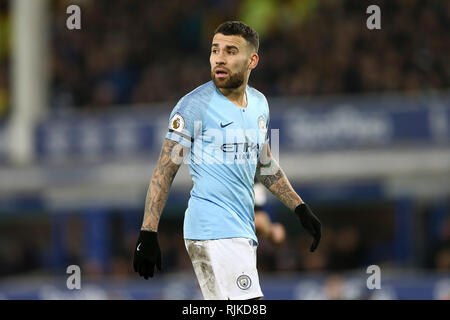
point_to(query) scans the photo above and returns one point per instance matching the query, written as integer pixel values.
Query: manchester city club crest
(262, 123)
(262, 128)
(244, 282)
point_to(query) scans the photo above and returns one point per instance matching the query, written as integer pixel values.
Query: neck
(236, 95)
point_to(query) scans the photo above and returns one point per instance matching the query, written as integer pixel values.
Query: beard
(233, 81)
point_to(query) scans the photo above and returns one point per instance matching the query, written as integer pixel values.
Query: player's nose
(220, 59)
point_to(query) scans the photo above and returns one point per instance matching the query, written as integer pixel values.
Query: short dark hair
(238, 28)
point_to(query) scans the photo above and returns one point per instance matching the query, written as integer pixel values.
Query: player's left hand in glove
(147, 254)
(311, 223)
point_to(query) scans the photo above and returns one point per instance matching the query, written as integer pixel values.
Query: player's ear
(254, 59)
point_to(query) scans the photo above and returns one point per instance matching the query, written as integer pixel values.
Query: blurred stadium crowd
(138, 52)
(322, 47)
(345, 247)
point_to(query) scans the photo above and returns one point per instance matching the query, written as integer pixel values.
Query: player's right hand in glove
(311, 223)
(147, 254)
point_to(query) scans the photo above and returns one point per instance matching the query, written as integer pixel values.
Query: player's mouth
(221, 73)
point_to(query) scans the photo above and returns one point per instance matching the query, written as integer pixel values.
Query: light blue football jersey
(224, 141)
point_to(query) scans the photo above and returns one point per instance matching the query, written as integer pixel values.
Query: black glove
(311, 223)
(147, 254)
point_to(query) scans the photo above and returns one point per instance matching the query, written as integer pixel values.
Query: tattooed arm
(168, 164)
(270, 174)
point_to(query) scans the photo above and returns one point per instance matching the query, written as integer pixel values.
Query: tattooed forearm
(276, 181)
(160, 183)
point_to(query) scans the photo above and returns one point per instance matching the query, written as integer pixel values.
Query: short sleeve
(183, 121)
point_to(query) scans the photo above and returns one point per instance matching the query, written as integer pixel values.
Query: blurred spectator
(440, 254)
(264, 226)
(23, 246)
(442, 258)
(334, 287)
(347, 251)
(319, 260)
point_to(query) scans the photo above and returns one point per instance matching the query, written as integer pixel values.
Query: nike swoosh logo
(225, 125)
(138, 246)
